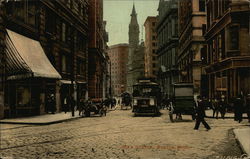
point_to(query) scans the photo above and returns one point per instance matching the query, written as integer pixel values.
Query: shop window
(23, 96)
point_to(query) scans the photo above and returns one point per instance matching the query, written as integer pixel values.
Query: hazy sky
(117, 14)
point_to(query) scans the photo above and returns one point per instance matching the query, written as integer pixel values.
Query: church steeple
(133, 29)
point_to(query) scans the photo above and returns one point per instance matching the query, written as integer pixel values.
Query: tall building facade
(97, 58)
(41, 46)
(167, 35)
(135, 66)
(192, 18)
(228, 50)
(118, 55)
(150, 47)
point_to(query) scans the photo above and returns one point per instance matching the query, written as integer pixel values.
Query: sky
(117, 14)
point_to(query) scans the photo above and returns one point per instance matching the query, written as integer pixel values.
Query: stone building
(150, 47)
(167, 36)
(97, 54)
(118, 55)
(192, 18)
(43, 41)
(135, 66)
(228, 50)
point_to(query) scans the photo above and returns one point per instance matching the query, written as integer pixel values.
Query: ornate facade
(97, 51)
(228, 51)
(167, 36)
(192, 18)
(150, 47)
(58, 29)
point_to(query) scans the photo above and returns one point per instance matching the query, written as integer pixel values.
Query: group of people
(239, 106)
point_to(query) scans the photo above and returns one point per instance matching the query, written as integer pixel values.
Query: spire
(133, 11)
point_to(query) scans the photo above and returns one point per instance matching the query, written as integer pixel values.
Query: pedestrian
(200, 115)
(248, 107)
(72, 105)
(215, 107)
(222, 107)
(66, 104)
(53, 103)
(81, 106)
(170, 111)
(238, 108)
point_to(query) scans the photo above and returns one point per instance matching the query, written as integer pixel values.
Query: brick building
(118, 55)
(43, 41)
(167, 36)
(192, 18)
(228, 52)
(150, 47)
(97, 50)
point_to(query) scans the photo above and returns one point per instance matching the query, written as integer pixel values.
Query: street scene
(149, 79)
(121, 135)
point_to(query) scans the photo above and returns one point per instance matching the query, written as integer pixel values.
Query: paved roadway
(120, 135)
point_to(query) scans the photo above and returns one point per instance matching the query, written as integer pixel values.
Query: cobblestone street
(121, 135)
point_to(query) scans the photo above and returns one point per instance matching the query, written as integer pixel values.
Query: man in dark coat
(222, 107)
(238, 108)
(72, 105)
(200, 115)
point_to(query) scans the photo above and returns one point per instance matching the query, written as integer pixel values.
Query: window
(234, 38)
(80, 67)
(66, 64)
(202, 5)
(50, 22)
(63, 63)
(153, 23)
(31, 14)
(63, 38)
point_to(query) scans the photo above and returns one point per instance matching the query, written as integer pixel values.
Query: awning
(26, 58)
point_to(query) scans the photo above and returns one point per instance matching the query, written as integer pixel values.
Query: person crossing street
(200, 115)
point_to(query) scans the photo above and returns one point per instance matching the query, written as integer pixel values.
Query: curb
(40, 123)
(243, 149)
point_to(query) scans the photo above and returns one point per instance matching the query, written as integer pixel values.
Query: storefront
(30, 77)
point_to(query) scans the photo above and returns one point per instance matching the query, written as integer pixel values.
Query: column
(2, 60)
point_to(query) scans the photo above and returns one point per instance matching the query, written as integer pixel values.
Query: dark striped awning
(25, 58)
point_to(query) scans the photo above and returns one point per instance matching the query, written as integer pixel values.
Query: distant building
(135, 64)
(228, 51)
(118, 55)
(167, 35)
(192, 18)
(150, 47)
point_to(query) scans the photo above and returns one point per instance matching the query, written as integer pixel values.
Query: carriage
(126, 100)
(183, 99)
(95, 106)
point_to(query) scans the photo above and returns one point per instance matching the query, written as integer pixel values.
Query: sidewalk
(42, 119)
(243, 137)
(209, 114)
